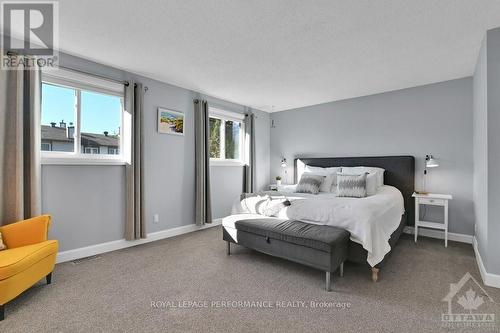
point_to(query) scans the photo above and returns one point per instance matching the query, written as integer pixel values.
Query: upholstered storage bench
(318, 246)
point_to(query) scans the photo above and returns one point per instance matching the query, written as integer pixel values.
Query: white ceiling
(282, 53)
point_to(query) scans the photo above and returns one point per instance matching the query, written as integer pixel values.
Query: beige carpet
(114, 293)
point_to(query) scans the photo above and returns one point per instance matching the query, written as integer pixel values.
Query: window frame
(224, 115)
(80, 82)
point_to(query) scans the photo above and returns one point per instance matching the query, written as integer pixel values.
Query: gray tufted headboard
(399, 172)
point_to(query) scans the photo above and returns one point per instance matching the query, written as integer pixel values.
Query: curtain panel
(203, 202)
(250, 155)
(20, 144)
(135, 223)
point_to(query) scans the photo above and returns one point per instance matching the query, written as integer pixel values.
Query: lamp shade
(283, 163)
(430, 162)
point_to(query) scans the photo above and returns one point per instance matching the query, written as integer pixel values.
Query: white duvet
(370, 220)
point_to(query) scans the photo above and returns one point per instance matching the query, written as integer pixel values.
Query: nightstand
(273, 187)
(433, 200)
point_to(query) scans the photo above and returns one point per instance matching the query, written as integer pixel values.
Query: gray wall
(480, 144)
(487, 150)
(435, 119)
(87, 202)
(493, 49)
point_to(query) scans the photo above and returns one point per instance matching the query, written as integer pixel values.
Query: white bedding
(370, 220)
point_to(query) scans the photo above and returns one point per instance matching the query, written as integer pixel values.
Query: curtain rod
(126, 83)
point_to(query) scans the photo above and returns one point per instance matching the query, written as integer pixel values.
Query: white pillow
(325, 172)
(371, 184)
(371, 170)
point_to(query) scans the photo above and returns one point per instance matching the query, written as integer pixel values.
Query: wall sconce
(430, 162)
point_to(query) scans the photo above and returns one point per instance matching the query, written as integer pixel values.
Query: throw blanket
(370, 220)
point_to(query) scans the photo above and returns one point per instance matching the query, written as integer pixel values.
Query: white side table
(273, 187)
(434, 200)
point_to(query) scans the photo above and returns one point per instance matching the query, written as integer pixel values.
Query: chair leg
(228, 248)
(49, 278)
(341, 270)
(2, 312)
(328, 282)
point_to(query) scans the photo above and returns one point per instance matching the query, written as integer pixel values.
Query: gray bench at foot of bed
(317, 246)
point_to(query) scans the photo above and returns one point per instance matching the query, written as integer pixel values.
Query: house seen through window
(79, 121)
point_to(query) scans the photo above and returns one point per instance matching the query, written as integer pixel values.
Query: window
(46, 146)
(226, 137)
(82, 118)
(91, 150)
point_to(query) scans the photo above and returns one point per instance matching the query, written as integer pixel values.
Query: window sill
(226, 163)
(79, 161)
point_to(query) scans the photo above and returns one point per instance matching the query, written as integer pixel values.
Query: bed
(375, 223)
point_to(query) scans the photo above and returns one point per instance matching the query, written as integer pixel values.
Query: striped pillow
(353, 186)
(309, 183)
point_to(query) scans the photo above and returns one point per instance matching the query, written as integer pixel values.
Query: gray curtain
(20, 144)
(202, 161)
(135, 226)
(250, 147)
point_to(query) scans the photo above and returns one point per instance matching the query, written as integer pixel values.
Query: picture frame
(171, 122)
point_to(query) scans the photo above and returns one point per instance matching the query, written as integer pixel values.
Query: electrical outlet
(156, 218)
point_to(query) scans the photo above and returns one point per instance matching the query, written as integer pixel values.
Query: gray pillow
(309, 183)
(353, 186)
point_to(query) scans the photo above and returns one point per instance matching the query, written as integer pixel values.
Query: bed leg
(375, 274)
(328, 282)
(341, 269)
(228, 248)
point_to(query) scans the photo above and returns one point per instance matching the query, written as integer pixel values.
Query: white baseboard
(489, 279)
(93, 250)
(440, 234)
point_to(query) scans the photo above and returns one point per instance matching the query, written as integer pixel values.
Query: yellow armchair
(29, 257)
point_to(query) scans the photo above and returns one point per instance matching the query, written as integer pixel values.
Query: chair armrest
(27, 232)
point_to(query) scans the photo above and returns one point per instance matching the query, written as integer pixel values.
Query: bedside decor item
(278, 180)
(430, 162)
(170, 122)
(434, 200)
(284, 165)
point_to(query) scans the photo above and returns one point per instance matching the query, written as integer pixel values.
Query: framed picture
(170, 122)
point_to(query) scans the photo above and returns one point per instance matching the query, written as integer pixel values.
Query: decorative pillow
(361, 169)
(2, 245)
(324, 172)
(327, 183)
(309, 183)
(351, 185)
